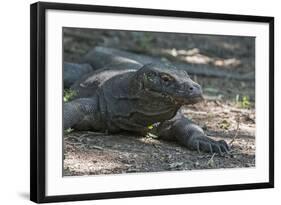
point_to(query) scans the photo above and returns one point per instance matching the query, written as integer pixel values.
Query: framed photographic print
(129, 102)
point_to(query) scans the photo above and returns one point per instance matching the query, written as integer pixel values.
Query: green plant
(244, 103)
(67, 131)
(68, 94)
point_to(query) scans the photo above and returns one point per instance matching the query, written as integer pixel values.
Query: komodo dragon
(126, 95)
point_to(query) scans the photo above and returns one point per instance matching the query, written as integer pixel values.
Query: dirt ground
(227, 113)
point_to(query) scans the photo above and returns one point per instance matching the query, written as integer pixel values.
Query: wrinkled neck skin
(158, 105)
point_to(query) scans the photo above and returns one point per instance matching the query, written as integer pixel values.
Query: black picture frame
(38, 100)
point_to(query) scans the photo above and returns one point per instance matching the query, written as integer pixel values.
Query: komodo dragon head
(167, 82)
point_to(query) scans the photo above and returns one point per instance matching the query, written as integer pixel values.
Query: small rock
(196, 164)
(248, 165)
(175, 164)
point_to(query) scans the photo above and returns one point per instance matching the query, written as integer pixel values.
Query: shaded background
(229, 55)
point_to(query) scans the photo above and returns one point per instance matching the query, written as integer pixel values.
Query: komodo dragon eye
(166, 78)
(150, 74)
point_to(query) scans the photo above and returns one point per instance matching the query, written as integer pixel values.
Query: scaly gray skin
(132, 97)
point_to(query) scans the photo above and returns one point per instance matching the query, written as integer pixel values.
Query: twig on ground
(235, 152)
(95, 147)
(236, 132)
(95, 133)
(211, 162)
(212, 156)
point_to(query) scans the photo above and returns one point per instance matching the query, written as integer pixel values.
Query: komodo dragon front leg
(82, 114)
(190, 135)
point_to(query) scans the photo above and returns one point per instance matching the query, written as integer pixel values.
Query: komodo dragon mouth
(190, 101)
(179, 100)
